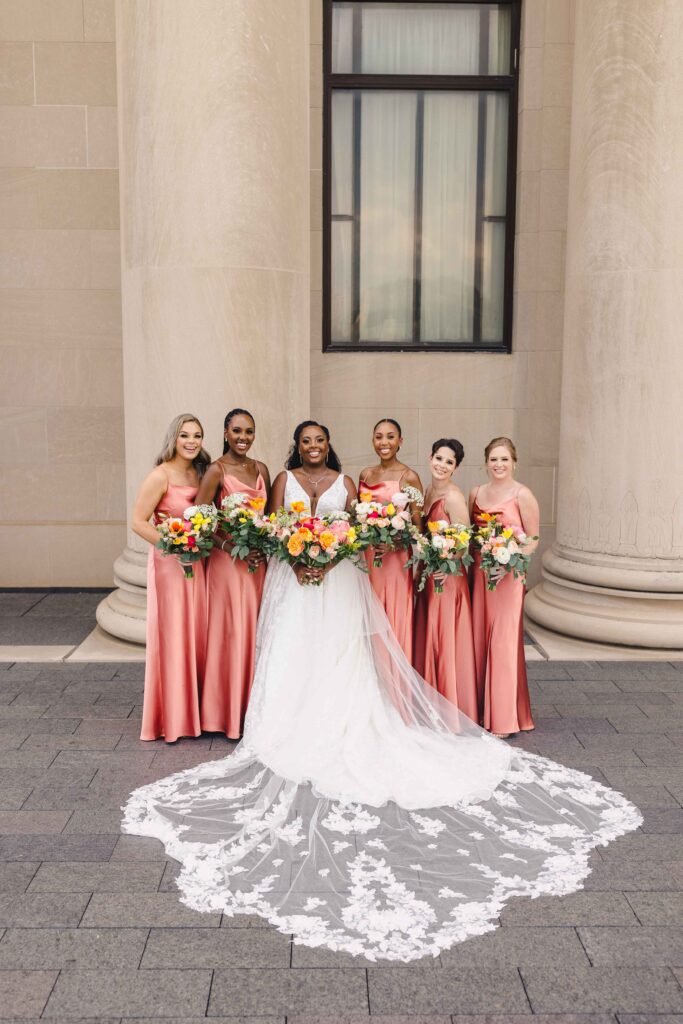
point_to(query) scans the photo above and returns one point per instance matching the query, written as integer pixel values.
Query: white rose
(502, 555)
(513, 547)
(438, 542)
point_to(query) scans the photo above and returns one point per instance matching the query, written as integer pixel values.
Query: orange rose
(304, 533)
(298, 506)
(433, 527)
(295, 545)
(257, 503)
(327, 539)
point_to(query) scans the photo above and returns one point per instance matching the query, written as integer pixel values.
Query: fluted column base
(123, 613)
(609, 601)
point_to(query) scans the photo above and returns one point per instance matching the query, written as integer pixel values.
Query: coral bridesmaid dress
(234, 597)
(176, 636)
(503, 691)
(392, 582)
(444, 649)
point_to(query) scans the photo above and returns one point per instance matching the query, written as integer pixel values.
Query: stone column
(615, 573)
(213, 136)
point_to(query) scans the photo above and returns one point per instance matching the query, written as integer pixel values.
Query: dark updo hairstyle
(226, 424)
(388, 419)
(294, 457)
(453, 444)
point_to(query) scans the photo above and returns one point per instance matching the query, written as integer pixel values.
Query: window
(419, 174)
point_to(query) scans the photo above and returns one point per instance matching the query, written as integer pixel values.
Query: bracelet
(223, 543)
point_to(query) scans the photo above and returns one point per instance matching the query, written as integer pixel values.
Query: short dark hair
(453, 444)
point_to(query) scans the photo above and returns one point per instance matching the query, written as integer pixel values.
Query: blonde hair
(201, 461)
(503, 442)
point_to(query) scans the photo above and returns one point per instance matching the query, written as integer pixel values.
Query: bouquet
(249, 529)
(188, 538)
(389, 523)
(500, 547)
(314, 541)
(444, 549)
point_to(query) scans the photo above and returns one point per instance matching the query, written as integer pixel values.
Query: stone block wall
(63, 490)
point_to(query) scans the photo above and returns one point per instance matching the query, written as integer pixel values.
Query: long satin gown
(444, 648)
(233, 598)
(392, 582)
(503, 691)
(176, 636)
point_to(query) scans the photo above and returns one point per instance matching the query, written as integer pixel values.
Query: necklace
(314, 482)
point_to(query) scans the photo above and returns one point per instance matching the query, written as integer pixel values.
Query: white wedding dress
(362, 811)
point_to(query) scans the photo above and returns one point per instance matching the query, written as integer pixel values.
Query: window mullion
(417, 225)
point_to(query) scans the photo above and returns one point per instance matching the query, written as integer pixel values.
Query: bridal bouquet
(444, 549)
(500, 547)
(314, 541)
(243, 519)
(188, 538)
(389, 523)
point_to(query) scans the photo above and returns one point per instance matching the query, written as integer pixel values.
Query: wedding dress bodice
(333, 499)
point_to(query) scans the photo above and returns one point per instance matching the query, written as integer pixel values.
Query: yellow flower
(327, 539)
(433, 527)
(351, 535)
(295, 545)
(365, 495)
(298, 506)
(464, 537)
(391, 509)
(179, 540)
(257, 503)
(507, 533)
(242, 519)
(304, 533)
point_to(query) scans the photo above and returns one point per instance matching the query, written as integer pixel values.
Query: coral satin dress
(233, 598)
(444, 649)
(503, 691)
(392, 582)
(176, 635)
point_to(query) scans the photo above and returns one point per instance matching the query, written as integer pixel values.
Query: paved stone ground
(91, 927)
(47, 617)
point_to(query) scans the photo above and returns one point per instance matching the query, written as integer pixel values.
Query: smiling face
(189, 441)
(240, 434)
(442, 464)
(386, 440)
(313, 446)
(500, 465)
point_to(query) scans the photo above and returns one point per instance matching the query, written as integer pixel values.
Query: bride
(362, 811)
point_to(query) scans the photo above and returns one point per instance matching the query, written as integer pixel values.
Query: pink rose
(398, 522)
(314, 550)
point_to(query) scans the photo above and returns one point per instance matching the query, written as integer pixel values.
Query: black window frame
(471, 83)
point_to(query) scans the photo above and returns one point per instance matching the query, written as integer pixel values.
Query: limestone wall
(60, 313)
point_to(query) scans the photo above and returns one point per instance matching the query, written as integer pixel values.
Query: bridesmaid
(392, 582)
(176, 607)
(503, 691)
(233, 593)
(444, 649)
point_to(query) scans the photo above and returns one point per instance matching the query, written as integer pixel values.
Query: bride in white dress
(361, 811)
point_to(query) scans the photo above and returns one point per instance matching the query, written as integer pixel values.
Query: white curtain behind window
(449, 215)
(387, 213)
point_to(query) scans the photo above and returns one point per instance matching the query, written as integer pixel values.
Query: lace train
(362, 811)
(386, 883)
